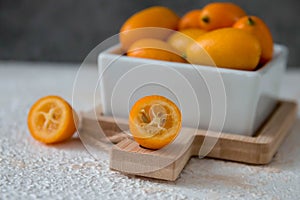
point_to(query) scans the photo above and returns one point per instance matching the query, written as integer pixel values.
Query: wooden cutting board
(128, 157)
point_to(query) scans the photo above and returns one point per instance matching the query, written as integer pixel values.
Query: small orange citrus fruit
(154, 121)
(190, 20)
(228, 48)
(220, 15)
(154, 49)
(257, 27)
(51, 119)
(181, 40)
(156, 16)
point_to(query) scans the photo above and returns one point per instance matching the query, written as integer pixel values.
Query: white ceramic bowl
(204, 94)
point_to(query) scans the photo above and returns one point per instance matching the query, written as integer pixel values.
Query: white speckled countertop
(31, 170)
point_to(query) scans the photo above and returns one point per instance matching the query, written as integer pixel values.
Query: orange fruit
(154, 49)
(156, 16)
(51, 119)
(220, 15)
(190, 20)
(181, 40)
(257, 27)
(227, 48)
(154, 121)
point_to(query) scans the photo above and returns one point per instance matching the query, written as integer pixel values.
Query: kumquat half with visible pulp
(51, 120)
(154, 121)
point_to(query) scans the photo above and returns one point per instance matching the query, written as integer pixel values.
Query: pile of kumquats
(220, 31)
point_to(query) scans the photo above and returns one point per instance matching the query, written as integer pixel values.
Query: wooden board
(128, 157)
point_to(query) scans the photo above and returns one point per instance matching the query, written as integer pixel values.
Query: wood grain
(167, 163)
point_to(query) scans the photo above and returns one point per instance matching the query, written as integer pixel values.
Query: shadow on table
(73, 144)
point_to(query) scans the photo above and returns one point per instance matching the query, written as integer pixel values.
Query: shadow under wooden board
(128, 157)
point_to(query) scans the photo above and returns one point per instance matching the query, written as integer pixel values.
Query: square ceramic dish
(238, 101)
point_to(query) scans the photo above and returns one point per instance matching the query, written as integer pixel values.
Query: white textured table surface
(29, 169)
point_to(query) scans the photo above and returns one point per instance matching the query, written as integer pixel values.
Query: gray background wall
(66, 30)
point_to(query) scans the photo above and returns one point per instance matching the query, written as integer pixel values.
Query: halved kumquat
(51, 120)
(154, 121)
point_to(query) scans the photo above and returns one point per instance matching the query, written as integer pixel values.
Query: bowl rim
(280, 52)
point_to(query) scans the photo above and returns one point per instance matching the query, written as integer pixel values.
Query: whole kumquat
(220, 15)
(182, 39)
(190, 20)
(257, 27)
(227, 48)
(156, 16)
(154, 49)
